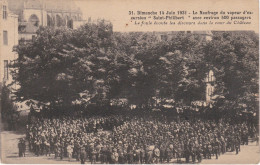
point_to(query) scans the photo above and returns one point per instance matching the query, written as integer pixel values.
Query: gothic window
(6, 69)
(70, 24)
(34, 20)
(4, 12)
(5, 37)
(64, 23)
(33, 37)
(53, 21)
(49, 22)
(58, 20)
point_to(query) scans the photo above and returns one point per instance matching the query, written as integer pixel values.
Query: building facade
(20, 19)
(35, 13)
(9, 39)
(210, 86)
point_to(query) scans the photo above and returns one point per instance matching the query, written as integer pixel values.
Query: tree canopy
(92, 64)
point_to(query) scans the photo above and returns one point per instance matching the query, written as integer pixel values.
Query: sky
(117, 11)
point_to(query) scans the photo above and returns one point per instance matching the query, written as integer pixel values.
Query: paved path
(9, 154)
(248, 155)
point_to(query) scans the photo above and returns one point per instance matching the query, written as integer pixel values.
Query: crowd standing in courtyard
(118, 139)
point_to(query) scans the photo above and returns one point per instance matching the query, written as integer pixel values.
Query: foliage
(94, 64)
(8, 109)
(234, 59)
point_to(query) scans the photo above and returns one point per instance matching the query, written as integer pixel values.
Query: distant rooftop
(17, 6)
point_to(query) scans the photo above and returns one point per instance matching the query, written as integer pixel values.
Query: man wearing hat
(47, 148)
(169, 153)
(237, 144)
(114, 156)
(120, 155)
(215, 148)
(76, 150)
(61, 150)
(69, 150)
(209, 151)
(103, 154)
(37, 147)
(20, 147)
(162, 153)
(150, 156)
(130, 155)
(137, 154)
(93, 156)
(199, 153)
(109, 153)
(187, 153)
(83, 155)
(142, 155)
(56, 149)
(23, 147)
(156, 154)
(98, 149)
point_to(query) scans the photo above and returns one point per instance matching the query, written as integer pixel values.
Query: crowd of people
(45, 134)
(127, 140)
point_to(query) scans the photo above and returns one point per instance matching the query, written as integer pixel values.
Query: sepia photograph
(129, 82)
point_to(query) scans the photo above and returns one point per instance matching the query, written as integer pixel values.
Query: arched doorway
(34, 20)
(49, 21)
(58, 20)
(70, 23)
(74, 18)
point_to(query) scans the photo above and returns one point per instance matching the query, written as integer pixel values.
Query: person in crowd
(156, 155)
(83, 155)
(21, 147)
(69, 151)
(257, 140)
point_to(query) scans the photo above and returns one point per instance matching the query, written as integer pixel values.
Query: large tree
(233, 56)
(61, 64)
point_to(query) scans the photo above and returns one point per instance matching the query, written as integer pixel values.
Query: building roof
(17, 6)
(209, 33)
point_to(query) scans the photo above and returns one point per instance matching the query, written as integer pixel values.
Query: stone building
(19, 21)
(9, 38)
(210, 86)
(35, 13)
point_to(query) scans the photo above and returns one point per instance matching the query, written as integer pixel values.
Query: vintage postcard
(129, 81)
